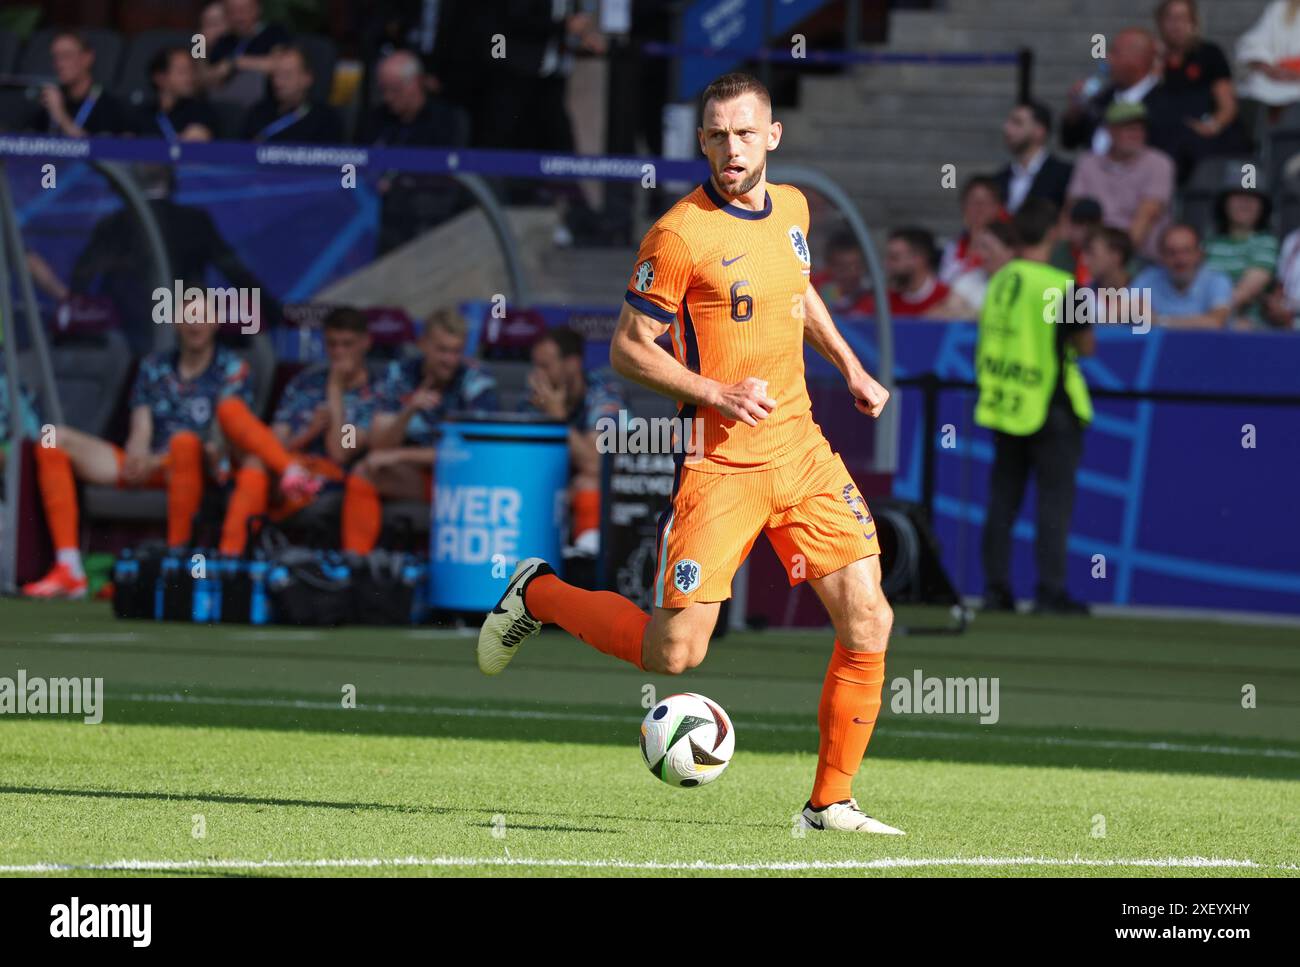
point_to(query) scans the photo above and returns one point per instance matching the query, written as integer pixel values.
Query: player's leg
(705, 534)
(250, 498)
(369, 483)
(1007, 479)
(249, 434)
(184, 486)
(827, 535)
(75, 456)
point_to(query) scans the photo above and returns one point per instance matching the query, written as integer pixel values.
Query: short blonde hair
(448, 320)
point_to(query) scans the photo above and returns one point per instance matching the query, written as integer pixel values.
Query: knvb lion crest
(800, 245)
(686, 576)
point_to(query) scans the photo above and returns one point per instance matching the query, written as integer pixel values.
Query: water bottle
(201, 601)
(259, 605)
(1096, 83)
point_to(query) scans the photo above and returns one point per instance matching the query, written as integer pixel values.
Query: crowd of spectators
(1162, 106)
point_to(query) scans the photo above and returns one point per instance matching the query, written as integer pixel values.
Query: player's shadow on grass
(896, 738)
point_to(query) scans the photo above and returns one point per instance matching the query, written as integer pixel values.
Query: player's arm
(139, 461)
(820, 332)
(635, 355)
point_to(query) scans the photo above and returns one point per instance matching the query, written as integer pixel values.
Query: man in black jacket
(1034, 172)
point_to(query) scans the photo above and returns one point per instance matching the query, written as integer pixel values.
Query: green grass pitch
(1122, 748)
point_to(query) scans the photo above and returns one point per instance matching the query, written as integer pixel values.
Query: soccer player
(561, 387)
(413, 399)
(725, 271)
(320, 428)
(172, 405)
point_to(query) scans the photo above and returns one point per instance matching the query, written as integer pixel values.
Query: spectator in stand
(1107, 254)
(1185, 293)
(1033, 172)
(914, 288)
(242, 59)
(981, 203)
(412, 116)
(842, 284)
(995, 244)
(1243, 249)
(1081, 220)
(290, 115)
(1270, 53)
(1131, 62)
(1196, 94)
(176, 114)
(1133, 183)
(77, 107)
(1281, 308)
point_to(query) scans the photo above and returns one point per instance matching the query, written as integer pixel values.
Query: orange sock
(249, 433)
(59, 494)
(248, 500)
(847, 714)
(184, 486)
(586, 511)
(607, 621)
(363, 515)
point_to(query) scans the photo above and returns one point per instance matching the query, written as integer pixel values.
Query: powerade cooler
(499, 495)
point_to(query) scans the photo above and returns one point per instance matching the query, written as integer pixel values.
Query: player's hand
(547, 397)
(52, 100)
(137, 467)
(868, 395)
(424, 399)
(746, 401)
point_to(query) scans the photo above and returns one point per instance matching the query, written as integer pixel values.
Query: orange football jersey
(730, 284)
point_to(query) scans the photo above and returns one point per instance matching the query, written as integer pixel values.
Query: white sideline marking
(1186, 862)
(506, 713)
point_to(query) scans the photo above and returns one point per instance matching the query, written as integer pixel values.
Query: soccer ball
(687, 740)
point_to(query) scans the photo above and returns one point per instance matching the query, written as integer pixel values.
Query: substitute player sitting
(321, 427)
(725, 272)
(172, 404)
(562, 388)
(415, 396)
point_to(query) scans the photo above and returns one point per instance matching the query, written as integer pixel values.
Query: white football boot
(509, 625)
(845, 817)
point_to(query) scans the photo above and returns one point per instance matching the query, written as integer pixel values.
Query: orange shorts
(810, 509)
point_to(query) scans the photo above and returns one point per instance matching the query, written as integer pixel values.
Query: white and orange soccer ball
(687, 740)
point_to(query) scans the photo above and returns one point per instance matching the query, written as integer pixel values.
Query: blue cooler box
(499, 495)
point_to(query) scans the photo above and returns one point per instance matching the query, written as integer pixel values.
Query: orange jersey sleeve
(663, 272)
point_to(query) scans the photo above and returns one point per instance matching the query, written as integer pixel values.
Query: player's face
(735, 137)
(555, 368)
(346, 350)
(443, 352)
(197, 336)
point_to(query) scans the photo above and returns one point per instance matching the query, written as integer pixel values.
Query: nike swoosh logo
(497, 609)
(726, 262)
(860, 722)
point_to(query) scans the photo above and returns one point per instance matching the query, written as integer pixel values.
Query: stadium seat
(133, 78)
(512, 383)
(107, 45)
(89, 372)
(322, 53)
(230, 119)
(260, 353)
(9, 45)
